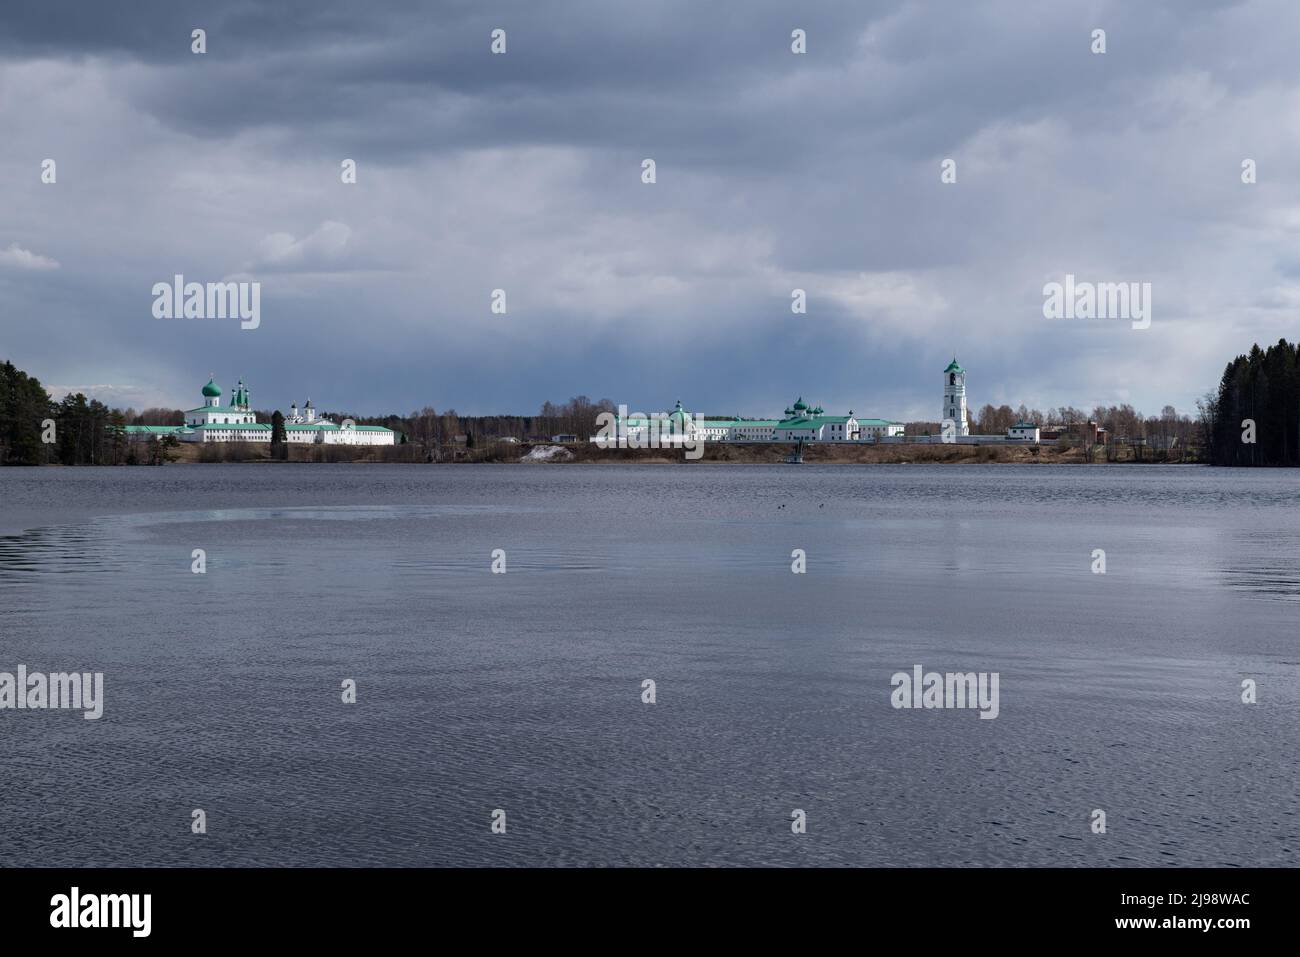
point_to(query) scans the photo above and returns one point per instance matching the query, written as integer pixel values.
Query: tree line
(87, 432)
(35, 430)
(1254, 417)
(433, 429)
(1123, 423)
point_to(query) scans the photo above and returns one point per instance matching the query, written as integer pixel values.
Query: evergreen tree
(1264, 387)
(279, 450)
(24, 407)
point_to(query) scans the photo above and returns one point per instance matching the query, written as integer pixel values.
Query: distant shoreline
(826, 453)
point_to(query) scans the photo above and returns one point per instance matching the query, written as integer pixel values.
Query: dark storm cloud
(775, 171)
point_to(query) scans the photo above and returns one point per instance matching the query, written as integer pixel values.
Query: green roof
(212, 390)
(817, 421)
(789, 423)
(155, 429)
(953, 366)
(217, 408)
(232, 425)
(703, 424)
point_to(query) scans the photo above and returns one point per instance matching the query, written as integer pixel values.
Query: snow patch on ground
(547, 453)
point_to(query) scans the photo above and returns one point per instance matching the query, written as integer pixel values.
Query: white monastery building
(801, 423)
(236, 422)
(804, 423)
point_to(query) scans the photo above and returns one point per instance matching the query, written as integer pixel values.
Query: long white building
(801, 423)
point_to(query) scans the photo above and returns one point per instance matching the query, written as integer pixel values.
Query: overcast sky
(522, 171)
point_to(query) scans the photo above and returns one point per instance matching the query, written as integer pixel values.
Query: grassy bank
(208, 452)
(758, 453)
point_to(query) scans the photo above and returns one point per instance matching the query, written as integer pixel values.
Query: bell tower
(954, 396)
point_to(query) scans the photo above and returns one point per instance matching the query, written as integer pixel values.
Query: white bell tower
(954, 396)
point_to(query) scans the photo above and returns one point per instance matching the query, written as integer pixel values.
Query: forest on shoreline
(1254, 416)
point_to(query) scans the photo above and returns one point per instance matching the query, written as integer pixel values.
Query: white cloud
(15, 257)
(326, 246)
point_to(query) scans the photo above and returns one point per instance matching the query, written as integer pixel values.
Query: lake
(522, 691)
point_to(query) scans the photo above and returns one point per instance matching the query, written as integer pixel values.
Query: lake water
(522, 691)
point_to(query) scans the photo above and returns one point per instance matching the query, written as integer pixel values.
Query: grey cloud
(522, 171)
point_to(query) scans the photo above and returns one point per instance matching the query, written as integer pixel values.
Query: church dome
(800, 405)
(953, 366)
(211, 390)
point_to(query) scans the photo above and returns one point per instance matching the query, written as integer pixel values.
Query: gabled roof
(816, 421)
